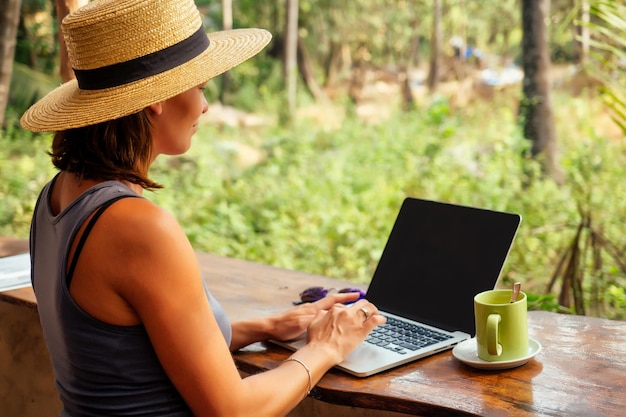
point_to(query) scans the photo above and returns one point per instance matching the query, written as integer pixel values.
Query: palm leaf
(607, 62)
(27, 86)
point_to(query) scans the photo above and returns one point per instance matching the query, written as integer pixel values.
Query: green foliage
(323, 200)
(25, 167)
(27, 86)
(37, 44)
(547, 302)
(259, 80)
(617, 301)
(608, 58)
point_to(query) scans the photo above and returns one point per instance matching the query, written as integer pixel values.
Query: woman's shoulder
(137, 231)
(148, 244)
(141, 219)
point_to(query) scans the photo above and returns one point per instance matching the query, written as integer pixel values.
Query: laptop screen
(438, 256)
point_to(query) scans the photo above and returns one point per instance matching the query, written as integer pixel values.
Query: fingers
(343, 328)
(332, 299)
(362, 311)
(375, 320)
(369, 312)
(361, 307)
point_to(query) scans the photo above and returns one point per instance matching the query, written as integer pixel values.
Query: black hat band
(145, 66)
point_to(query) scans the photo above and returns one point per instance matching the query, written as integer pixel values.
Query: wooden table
(581, 370)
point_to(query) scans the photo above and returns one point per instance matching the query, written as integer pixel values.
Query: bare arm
(162, 284)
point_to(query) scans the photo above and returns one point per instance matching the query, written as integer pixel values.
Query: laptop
(437, 257)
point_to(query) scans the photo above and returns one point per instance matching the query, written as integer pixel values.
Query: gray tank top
(100, 369)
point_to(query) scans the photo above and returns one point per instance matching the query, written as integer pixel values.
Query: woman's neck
(68, 187)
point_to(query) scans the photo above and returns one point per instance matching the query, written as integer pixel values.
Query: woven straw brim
(68, 107)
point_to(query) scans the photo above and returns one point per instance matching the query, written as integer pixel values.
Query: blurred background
(308, 149)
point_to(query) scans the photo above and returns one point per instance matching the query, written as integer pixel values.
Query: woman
(130, 327)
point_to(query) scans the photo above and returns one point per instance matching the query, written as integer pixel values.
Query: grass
(323, 200)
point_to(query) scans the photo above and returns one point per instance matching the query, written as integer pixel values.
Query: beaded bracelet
(308, 371)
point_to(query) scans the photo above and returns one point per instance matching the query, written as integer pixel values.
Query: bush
(323, 200)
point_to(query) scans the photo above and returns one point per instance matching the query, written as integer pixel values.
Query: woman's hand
(330, 323)
(341, 329)
(291, 323)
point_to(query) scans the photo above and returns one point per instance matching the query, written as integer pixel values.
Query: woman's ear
(156, 108)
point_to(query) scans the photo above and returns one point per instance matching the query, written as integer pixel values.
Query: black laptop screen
(438, 256)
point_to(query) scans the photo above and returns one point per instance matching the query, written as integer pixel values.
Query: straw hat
(129, 54)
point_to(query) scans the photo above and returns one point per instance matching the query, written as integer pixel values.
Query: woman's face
(176, 120)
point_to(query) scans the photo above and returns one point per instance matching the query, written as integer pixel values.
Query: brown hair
(118, 149)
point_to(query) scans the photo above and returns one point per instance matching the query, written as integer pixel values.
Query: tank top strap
(85, 235)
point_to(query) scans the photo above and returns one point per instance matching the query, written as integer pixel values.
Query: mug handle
(493, 347)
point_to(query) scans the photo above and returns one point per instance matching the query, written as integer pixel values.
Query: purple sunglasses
(313, 294)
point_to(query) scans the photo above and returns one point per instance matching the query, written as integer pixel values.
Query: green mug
(501, 325)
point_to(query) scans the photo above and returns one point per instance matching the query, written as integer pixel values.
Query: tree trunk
(435, 47)
(583, 34)
(291, 54)
(332, 64)
(306, 71)
(338, 64)
(9, 20)
(412, 60)
(227, 24)
(536, 106)
(63, 8)
(414, 48)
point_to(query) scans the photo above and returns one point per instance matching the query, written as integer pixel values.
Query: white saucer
(466, 353)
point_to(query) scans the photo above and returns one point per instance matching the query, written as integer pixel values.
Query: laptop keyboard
(401, 337)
